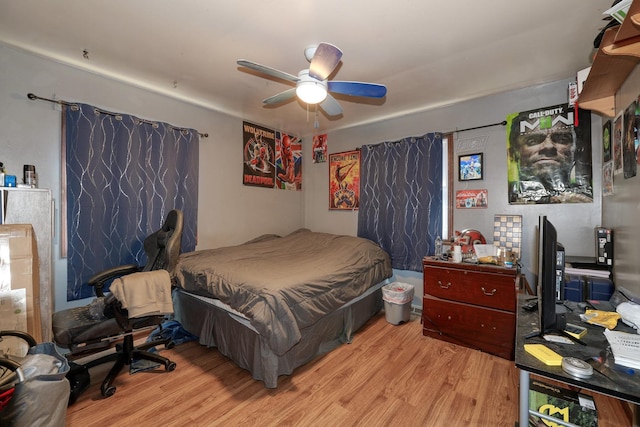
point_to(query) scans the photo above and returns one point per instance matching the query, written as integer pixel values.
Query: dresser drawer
(480, 288)
(487, 329)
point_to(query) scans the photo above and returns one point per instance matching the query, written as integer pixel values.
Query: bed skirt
(234, 337)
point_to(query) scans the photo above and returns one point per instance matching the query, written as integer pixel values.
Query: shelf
(631, 25)
(617, 56)
(626, 40)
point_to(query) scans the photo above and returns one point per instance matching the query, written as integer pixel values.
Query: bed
(274, 303)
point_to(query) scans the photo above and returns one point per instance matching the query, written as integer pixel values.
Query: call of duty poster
(549, 156)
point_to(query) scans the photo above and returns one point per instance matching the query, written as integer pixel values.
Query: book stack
(625, 348)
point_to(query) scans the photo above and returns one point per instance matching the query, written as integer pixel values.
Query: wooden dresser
(471, 305)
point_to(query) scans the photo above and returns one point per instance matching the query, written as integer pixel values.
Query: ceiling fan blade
(324, 61)
(331, 106)
(280, 97)
(268, 70)
(370, 90)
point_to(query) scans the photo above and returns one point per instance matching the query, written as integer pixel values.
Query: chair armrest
(98, 280)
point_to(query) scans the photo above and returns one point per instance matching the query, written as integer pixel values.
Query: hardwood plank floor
(388, 375)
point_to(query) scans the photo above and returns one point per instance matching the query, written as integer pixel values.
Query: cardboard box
(19, 275)
(564, 404)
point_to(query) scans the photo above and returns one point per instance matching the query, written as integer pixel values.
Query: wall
(228, 212)
(575, 222)
(620, 210)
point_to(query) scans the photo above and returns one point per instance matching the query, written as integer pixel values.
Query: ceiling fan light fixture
(311, 92)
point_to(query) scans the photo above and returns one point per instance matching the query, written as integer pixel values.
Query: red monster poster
(344, 180)
(258, 155)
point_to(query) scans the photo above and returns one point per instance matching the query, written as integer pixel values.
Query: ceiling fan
(312, 84)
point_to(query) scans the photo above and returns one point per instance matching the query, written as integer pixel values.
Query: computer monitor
(552, 315)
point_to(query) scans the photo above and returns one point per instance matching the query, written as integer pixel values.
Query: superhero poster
(288, 162)
(344, 180)
(258, 152)
(320, 148)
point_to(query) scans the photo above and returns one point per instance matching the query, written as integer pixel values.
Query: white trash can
(397, 298)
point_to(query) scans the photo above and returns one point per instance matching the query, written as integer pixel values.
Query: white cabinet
(35, 206)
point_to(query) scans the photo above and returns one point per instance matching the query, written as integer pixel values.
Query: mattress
(282, 285)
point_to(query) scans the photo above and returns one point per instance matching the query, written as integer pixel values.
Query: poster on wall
(549, 156)
(344, 180)
(288, 162)
(630, 135)
(258, 153)
(472, 199)
(617, 144)
(606, 142)
(607, 178)
(320, 148)
(637, 142)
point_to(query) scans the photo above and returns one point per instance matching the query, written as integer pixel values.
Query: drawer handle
(484, 291)
(443, 286)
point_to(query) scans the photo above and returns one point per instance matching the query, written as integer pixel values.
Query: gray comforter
(283, 284)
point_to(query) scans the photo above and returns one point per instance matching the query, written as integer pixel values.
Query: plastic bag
(397, 293)
(630, 314)
(96, 309)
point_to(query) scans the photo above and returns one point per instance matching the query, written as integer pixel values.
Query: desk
(604, 380)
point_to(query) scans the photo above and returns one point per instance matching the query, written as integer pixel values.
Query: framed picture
(470, 167)
(344, 180)
(472, 199)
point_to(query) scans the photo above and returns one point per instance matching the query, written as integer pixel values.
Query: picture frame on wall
(470, 167)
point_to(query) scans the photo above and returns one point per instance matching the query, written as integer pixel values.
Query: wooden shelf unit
(617, 56)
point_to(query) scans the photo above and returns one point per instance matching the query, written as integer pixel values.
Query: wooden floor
(389, 375)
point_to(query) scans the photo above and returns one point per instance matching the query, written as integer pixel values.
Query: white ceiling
(427, 52)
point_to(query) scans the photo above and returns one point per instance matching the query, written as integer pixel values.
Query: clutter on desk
(606, 319)
(29, 177)
(470, 246)
(576, 331)
(584, 287)
(576, 367)
(625, 348)
(630, 314)
(544, 354)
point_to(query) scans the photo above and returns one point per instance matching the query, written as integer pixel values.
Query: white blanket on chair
(145, 293)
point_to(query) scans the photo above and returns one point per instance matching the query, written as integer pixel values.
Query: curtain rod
(502, 123)
(61, 102)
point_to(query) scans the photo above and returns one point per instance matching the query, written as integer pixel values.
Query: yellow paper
(606, 319)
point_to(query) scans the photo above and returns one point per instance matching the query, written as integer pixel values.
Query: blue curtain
(123, 175)
(401, 197)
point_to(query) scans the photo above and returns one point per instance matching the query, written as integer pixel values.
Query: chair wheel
(109, 391)
(170, 366)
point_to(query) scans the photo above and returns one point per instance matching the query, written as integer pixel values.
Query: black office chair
(88, 329)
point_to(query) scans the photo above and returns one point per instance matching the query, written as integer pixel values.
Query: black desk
(604, 380)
